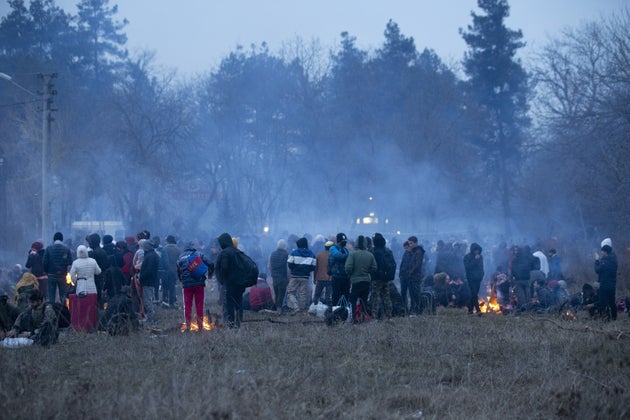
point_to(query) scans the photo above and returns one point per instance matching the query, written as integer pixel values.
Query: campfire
(207, 325)
(490, 306)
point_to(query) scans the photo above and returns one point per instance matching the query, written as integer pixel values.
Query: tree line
(302, 137)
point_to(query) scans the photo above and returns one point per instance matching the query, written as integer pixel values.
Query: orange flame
(491, 306)
(207, 325)
(69, 279)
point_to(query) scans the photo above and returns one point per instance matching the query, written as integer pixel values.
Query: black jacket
(473, 265)
(57, 259)
(149, 268)
(606, 269)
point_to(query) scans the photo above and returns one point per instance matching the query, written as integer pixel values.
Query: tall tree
(498, 91)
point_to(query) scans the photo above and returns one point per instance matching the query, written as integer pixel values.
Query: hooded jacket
(224, 265)
(150, 266)
(606, 269)
(474, 265)
(85, 267)
(360, 263)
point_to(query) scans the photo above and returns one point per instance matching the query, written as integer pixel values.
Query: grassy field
(447, 366)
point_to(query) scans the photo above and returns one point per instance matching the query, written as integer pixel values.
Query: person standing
(35, 263)
(193, 282)
(321, 278)
(57, 259)
(168, 287)
(279, 272)
(227, 274)
(301, 263)
(386, 271)
(359, 266)
(148, 279)
(402, 272)
(85, 267)
(606, 269)
(414, 274)
(473, 264)
(336, 268)
(102, 259)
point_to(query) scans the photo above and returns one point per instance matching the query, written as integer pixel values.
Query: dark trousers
(360, 290)
(415, 289)
(168, 288)
(404, 293)
(606, 304)
(340, 287)
(234, 304)
(323, 286)
(474, 285)
(280, 290)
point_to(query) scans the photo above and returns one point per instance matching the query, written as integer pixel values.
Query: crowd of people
(116, 285)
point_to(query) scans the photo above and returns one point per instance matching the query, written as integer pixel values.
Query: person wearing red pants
(193, 268)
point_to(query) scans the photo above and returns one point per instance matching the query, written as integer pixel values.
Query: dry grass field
(445, 366)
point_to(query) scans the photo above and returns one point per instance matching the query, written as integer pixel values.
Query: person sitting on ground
(8, 315)
(119, 317)
(23, 290)
(259, 296)
(38, 322)
(590, 299)
(543, 299)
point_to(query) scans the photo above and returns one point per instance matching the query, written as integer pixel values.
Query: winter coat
(473, 263)
(224, 265)
(606, 269)
(35, 262)
(414, 270)
(321, 266)
(359, 265)
(184, 275)
(301, 262)
(85, 267)
(149, 270)
(337, 260)
(57, 259)
(380, 255)
(278, 264)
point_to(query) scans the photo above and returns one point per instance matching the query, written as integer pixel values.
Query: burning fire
(568, 315)
(491, 306)
(207, 325)
(69, 280)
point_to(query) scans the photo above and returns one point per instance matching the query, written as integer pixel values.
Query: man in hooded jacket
(227, 274)
(473, 263)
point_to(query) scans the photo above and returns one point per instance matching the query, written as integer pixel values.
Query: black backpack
(247, 270)
(390, 265)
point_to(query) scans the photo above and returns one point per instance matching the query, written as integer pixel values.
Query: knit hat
(37, 245)
(341, 237)
(170, 239)
(606, 241)
(328, 244)
(302, 243)
(108, 239)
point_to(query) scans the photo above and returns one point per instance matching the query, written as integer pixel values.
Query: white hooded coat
(85, 267)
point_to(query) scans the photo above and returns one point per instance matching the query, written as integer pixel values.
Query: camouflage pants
(297, 294)
(380, 294)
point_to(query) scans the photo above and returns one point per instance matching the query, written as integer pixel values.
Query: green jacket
(359, 265)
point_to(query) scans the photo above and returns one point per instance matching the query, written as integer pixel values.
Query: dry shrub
(446, 366)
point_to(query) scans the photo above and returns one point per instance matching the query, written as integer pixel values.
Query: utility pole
(47, 94)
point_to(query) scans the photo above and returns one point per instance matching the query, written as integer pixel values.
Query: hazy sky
(193, 35)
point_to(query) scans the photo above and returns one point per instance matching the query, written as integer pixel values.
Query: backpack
(195, 266)
(247, 270)
(390, 265)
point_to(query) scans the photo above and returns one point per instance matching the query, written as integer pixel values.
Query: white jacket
(85, 267)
